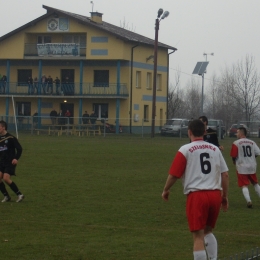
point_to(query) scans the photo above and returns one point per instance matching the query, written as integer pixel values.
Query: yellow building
(100, 67)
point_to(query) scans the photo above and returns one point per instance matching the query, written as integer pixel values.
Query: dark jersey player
(211, 135)
(10, 152)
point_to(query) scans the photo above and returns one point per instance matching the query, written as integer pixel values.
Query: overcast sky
(228, 28)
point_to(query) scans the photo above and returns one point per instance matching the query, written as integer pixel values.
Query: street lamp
(161, 15)
(206, 55)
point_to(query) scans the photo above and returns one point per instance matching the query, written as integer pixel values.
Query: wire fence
(78, 125)
(49, 125)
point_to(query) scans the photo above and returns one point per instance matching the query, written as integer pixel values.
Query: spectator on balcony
(30, 85)
(44, 82)
(57, 83)
(50, 84)
(35, 84)
(3, 84)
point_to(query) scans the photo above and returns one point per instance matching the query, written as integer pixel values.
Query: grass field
(89, 198)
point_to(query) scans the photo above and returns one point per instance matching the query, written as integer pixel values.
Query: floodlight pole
(160, 15)
(157, 22)
(202, 95)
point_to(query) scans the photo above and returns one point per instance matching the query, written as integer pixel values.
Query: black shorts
(10, 169)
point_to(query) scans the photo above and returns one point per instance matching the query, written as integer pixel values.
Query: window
(138, 79)
(22, 77)
(159, 82)
(72, 38)
(101, 78)
(146, 113)
(149, 80)
(101, 110)
(44, 39)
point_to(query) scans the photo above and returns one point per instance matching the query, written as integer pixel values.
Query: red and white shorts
(202, 209)
(245, 179)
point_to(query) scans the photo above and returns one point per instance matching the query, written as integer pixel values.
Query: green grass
(94, 198)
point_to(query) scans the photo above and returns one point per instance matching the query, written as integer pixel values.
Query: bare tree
(175, 98)
(192, 99)
(125, 25)
(247, 87)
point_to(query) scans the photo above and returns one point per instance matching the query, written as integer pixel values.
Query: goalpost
(15, 122)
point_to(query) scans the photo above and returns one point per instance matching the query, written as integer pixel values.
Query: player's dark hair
(204, 119)
(197, 128)
(3, 124)
(243, 130)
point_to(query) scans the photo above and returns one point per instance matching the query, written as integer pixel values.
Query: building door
(68, 106)
(67, 81)
(23, 113)
(23, 108)
(101, 110)
(67, 76)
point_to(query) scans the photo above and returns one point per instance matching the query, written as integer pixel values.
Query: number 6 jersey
(245, 151)
(200, 165)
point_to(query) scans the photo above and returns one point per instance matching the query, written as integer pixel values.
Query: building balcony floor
(75, 90)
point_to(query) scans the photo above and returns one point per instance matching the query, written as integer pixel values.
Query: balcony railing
(64, 89)
(51, 50)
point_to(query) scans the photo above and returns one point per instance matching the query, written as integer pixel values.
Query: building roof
(119, 32)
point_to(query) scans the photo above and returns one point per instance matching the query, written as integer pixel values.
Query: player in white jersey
(205, 179)
(243, 153)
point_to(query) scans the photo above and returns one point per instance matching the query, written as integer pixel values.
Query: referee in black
(10, 152)
(211, 135)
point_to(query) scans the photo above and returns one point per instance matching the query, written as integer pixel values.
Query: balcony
(101, 90)
(54, 51)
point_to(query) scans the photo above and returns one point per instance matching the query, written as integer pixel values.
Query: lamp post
(161, 15)
(202, 94)
(206, 55)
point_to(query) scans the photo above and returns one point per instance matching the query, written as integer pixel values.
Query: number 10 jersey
(245, 151)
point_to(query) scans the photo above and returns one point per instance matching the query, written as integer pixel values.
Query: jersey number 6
(204, 164)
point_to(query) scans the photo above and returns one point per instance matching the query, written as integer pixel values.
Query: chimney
(96, 17)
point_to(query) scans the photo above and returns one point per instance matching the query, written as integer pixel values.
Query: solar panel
(200, 67)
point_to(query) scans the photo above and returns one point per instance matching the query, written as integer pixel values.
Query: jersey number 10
(247, 151)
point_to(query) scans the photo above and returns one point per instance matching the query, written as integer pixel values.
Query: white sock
(211, 246)
(257, 189)
(200, 255)
(246, 194)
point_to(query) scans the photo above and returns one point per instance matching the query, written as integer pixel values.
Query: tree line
(233, 96)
